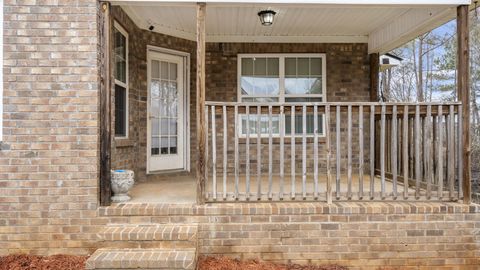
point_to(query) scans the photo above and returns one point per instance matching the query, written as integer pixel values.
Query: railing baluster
(270, 150)
(282, 152)
(372, 151)
(247, 151)
(315, 151)
(382, 152)
(304, 152)
(329, 153)
(292, 151)
(259, 149)
(459, 151)
(337, 191)
(451, 151)
(440, 152)
(394, 150)
(236, 154)
(206, 150)
(428, 149)
(225, 152)
(214, 154)
(349, 151)
(405, 143)
(418, 172)
(360, 158)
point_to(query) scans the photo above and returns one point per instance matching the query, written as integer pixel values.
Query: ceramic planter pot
(122, 182)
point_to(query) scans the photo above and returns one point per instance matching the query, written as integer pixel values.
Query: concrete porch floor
(182, 188)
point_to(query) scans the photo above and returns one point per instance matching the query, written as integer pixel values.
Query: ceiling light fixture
(266, 17)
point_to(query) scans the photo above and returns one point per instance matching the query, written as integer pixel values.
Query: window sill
(124, 142)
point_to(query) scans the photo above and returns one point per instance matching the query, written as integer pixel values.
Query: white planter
(122, 182)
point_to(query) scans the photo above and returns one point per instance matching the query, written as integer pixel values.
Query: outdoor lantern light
(266, 17)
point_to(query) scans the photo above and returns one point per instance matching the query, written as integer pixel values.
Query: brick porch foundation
(359, 235)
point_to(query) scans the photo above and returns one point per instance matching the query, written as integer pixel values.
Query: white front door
(165, 143)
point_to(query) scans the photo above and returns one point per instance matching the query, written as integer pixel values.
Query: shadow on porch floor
(182, 188)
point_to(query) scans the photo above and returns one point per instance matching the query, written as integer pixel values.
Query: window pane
(260, 66)
(120, 54)
(173, 145)
(164, 126)
(120, 111)
(264, 125)
(315, 66)
(299, 124)
(155, 69)
(164, 145)
(155, 148)
(260, 86)
(247, 66)
(173, 72)
(303, 65)
(295, 99)
(259, 99)
(164, 70)
(290, 67)
(155, 127)
(273, 67)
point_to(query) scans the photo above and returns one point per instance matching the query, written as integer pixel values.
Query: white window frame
(281, 74)
(124, 32)
(281, 96)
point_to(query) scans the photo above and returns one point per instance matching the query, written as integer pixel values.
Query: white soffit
(384, 26)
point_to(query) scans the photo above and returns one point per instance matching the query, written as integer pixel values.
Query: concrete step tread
(149, 232)
(106, 258)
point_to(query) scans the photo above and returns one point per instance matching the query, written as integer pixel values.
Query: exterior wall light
(266, 17)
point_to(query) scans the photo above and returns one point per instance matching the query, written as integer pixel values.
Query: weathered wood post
(463, 91)
(201, 131)
(374, 70)
(105, 104)
(374, 97)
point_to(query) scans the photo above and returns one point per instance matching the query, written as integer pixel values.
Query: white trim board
(296, 2)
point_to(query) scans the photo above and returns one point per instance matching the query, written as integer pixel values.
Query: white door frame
(186, 108)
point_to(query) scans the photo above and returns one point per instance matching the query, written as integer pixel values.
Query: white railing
(333, 151)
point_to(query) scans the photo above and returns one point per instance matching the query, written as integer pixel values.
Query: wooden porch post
(105, 104)
(201, 132)
(374, 70)
(463, 91)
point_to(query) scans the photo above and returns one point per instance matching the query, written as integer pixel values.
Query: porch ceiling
(384, 26)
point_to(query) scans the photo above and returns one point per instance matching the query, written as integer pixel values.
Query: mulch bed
(224, 263)
(32, 262)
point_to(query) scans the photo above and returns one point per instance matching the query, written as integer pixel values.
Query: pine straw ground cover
(224, 263)
(33, 262)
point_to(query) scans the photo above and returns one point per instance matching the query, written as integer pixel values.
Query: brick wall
(49, 158)
(360, 235)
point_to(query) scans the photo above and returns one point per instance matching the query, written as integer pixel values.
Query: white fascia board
(407, 27)
(324, 2)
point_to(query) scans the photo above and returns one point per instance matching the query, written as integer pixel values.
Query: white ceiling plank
(289, 39)
(406, 27)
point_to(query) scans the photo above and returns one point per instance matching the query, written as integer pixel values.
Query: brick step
(122, 259)
(149, 235)
(149, 210)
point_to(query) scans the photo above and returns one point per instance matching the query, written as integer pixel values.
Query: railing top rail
(276, 104)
